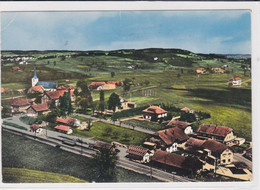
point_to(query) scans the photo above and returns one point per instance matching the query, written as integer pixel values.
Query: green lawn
(14, 125)
(23, 175)
(145, 124)
(98, 131)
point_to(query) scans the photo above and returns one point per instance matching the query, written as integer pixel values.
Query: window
(224, 161)
(229, 160)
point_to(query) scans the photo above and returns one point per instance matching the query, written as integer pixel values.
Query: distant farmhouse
(236, 81)
(48, 86)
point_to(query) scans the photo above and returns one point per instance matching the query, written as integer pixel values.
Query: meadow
(173, 83)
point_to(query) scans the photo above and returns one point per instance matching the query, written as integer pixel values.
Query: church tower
(35, 79)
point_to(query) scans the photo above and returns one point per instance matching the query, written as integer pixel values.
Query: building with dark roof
(138, 153)
(38, 109)
(222, 134)
(101, 145)
(211, 151)
(175, 162)
(19, 104)
(169, 139)
(182, 125)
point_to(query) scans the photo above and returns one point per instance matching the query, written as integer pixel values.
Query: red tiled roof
(169, 159)
(16, 68)
(21, 102)
(37, 88)
(96, 84)
(62, 127)
(185, 109)
(180, 124)
(61, 88)
(2, 90)
(67, 121)
(35, 127)
(118, 83)
(155, 109)
(169, 136)
(214, 146)
(235, 79)
(135, 150)
(201, 69)
(41, 107)
(221, 131)
(57, 94)
(194, 142)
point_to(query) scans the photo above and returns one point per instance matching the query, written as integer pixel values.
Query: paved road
(55, 138)
(117, 123)
(240, 158)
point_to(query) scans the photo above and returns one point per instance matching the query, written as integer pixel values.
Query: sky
(224, 32)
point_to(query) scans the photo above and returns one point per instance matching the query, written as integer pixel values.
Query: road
(240, 158)
(55, 139)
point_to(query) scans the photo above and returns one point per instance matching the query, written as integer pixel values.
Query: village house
(38, 109)
(48, 97)
(35, 128)
(182, 125)
(210, 151)
(16, 68)
(154, 112)
(117, 83)
(106, 87)
(222, 134)
(95, 85)
(187, 110)
(175, 162)
(218, 70)
(201, 71)
(168, 139)
(19, 104)
(68, 121)
(236, 81)
(66, 87)
(139, 153)
(101, 145)
(63, 129)
(36, 89)
(48, 86)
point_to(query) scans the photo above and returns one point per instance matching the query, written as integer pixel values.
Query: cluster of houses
(22, 60)
(179, 149)
(110, 85)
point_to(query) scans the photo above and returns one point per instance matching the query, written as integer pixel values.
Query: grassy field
(145, 124)
(230, 106)
(109, 133)
(23, 175)
(20, 152)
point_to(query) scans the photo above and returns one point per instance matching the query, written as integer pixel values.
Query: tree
(85, 93)
(178, 76)
(65, 103)
(89, 122)
(62, 58)
(112, 74)
(146, 82)
(127, 84)
(113, 102)
(101, 100)
(105, 164)
(54, 63)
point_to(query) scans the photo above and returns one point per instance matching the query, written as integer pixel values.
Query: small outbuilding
(139, 153)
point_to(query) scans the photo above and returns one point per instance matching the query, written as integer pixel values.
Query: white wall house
(172, 148)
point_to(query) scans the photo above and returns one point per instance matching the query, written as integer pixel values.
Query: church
(48, 86)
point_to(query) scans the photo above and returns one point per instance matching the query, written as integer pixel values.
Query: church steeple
(35, 79)
(34, 73)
